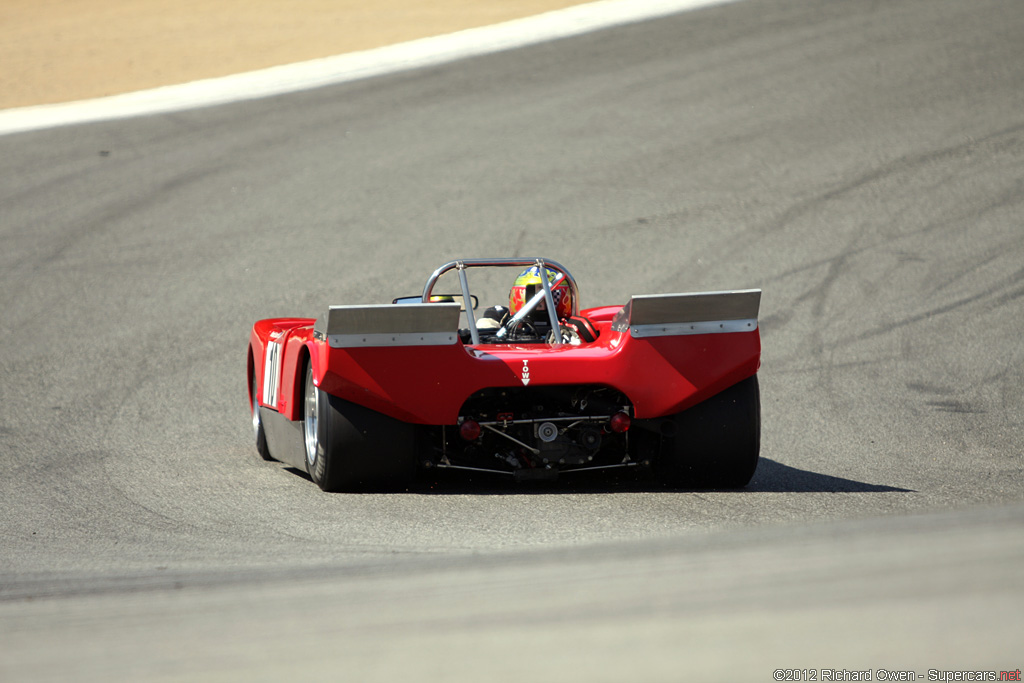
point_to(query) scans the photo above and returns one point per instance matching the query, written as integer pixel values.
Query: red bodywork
(429, 384)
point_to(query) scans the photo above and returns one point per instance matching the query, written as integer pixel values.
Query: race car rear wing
(434, 324)
(660, 315)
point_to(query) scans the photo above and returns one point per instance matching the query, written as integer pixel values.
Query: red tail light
(619, 423)
(469, 430)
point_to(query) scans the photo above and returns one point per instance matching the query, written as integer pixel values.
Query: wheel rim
(311, 411)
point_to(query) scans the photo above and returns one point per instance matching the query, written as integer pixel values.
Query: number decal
(271, 374)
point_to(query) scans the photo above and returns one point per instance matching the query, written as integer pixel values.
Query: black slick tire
(352, 448)
(716, 443)
(257, 425)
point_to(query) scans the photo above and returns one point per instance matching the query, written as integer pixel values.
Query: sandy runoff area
(64, 50)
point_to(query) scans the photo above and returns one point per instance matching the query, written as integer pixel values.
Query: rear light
(619, 423)
(469, 430)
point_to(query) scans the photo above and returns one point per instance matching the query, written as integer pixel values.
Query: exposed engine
(535, 432)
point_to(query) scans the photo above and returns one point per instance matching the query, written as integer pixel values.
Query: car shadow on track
(770, 477)
(774, 477)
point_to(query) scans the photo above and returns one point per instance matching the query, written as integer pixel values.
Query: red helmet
(528, 284)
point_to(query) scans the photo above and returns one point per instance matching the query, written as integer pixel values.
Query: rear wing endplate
(433, 324)
(661, 315)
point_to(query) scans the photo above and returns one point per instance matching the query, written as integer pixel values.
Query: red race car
(366, 396)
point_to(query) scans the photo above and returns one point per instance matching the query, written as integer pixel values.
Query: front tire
(352, 448)
(257, 425)
(716, 443)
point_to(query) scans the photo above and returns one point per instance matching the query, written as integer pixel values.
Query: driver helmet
(528, 284)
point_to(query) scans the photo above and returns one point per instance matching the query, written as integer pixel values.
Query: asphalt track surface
(861, 162)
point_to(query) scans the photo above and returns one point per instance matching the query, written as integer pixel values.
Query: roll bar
(561, 272)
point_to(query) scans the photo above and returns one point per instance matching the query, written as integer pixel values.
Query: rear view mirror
(439, 299)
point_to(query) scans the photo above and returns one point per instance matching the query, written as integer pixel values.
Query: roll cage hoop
(561, 273)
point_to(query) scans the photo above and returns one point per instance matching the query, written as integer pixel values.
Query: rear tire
(717, 443)
(352, 448)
